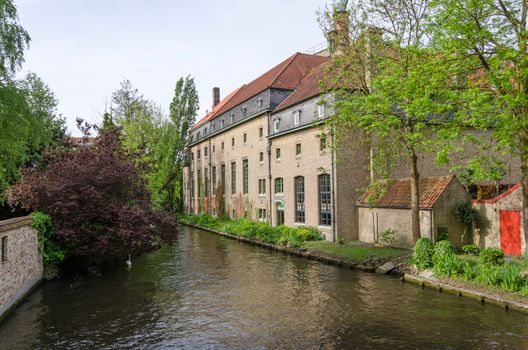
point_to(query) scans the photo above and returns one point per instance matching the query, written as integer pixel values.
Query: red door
(510, 232)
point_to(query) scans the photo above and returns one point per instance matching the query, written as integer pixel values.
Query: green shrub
(511, 279)
(423, 253)
(471, 249)
(489, 274)
(469, 270)
(445, 262)
(52, 253)
(492, 256)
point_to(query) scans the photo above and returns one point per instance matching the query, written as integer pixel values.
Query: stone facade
(441, 217)
(20, 261)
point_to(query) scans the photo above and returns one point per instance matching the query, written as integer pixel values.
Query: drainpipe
(334, 234)
(210, 155)
(431, 225)
(269, 171)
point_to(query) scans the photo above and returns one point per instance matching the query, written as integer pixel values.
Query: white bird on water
(128, 262)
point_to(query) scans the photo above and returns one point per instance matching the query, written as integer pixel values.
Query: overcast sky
(83, 48)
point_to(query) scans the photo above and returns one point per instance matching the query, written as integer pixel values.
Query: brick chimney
(340, 35)
(216, 96)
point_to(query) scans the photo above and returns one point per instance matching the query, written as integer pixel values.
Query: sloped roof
(215, 110)
(308, 88)
(398, 193)
(286, 75)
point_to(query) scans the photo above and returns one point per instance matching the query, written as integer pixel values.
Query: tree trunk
(415, 195)
(524, 183)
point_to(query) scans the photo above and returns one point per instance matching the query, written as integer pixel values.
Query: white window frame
(321, 111)
(296, 117)
(276, 125)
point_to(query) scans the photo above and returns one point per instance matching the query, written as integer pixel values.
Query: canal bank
(395, 265)
(369, 263)
(209, 292)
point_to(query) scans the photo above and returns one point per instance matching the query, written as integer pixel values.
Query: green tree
(163, 138)
(488, 39)
(182, 115)
(398, 82)
(14, 38)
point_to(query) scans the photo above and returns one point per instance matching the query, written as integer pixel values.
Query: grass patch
(356, 251)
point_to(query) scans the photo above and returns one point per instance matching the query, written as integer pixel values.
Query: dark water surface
(208, 292)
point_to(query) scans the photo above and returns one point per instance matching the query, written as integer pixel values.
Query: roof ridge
(288, 63)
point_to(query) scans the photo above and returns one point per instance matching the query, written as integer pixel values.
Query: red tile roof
(286, 75)
(398, 193)
(308, 88)
(215, 110)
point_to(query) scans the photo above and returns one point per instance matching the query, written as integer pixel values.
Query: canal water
(208, 292)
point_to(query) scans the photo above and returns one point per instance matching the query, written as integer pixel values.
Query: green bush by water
(52, 253)
(492, 256)
(423, 253)
(282, 235)
(488, 268)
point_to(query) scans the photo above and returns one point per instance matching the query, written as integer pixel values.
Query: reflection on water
(209, 292)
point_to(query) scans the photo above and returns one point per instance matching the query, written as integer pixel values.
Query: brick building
(263, 153)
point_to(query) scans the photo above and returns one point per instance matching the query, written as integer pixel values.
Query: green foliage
(52, 253)
(14, 40)
(465, 213)
(282, 235)
(493, 256)
(445, 261)
(471, 249)
(489, 274)
(29, 123)
(423, 253)
(164, 137)
(469, 271)
(511, 279)
(387, 237)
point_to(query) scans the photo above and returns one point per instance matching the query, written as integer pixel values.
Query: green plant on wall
(52, 253)
(467, 215)
(388, 237)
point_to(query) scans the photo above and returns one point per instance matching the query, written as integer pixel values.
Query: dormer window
(276, 125)
(296, 117)
(232, 118)
(244, 111)
(198, 135)
(205, 131)
(214, 127)
(259, 103)
(321, 111)
(222, 122)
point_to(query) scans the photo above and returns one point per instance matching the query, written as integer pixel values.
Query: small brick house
(438, 197)
(500, 222)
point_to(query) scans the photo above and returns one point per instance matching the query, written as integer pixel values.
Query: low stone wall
(20, 261)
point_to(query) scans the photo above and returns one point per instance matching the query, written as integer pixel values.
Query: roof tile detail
(398, 193)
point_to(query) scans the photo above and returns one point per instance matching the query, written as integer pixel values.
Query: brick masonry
(21, 267)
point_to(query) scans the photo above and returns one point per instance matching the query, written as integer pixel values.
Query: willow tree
(490, 38)
(389, 84)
